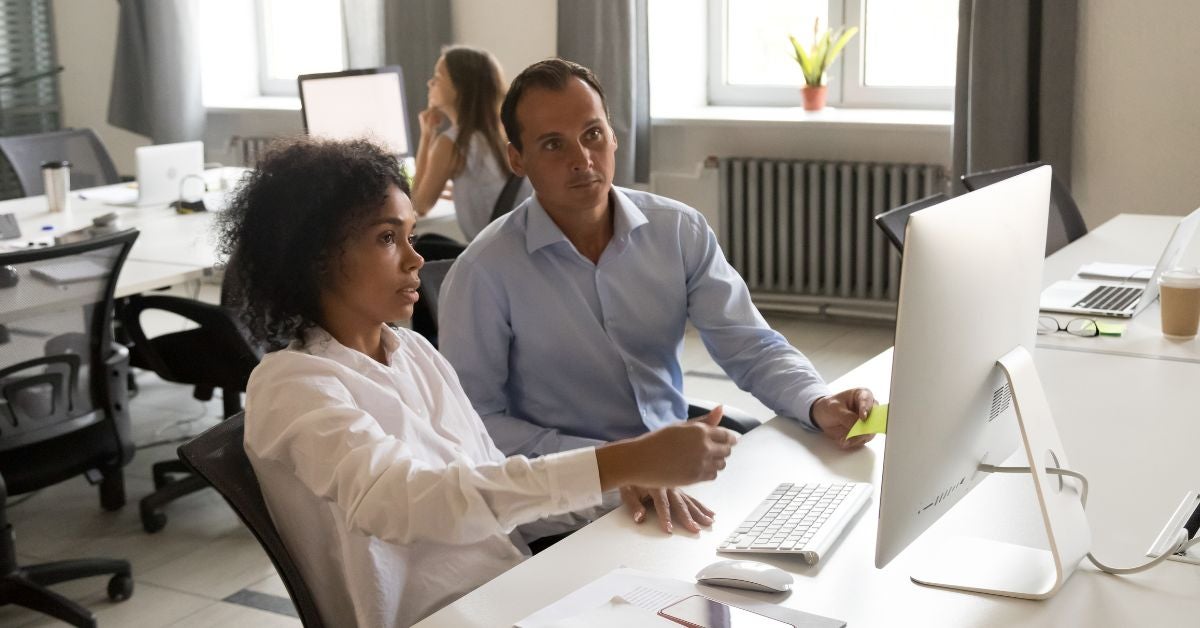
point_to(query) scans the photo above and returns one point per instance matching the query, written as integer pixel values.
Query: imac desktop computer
(965, 396)
(358, 104)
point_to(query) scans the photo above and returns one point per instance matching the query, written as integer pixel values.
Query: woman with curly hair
(466, 90)
(379, 475)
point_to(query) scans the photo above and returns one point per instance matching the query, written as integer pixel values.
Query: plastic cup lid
(1180, 278)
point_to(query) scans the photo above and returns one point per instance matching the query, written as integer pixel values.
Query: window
(297, 37)
(254, 48)
(903, 55)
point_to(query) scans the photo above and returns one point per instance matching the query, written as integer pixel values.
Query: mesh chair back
(90, 163)
(1065, 224)
(56, 341)
(219, 457)
(894, 221)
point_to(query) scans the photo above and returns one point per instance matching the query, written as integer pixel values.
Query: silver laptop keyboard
(799, 518)
(1111, 298)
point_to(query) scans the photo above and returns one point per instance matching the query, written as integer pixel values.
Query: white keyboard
(801, 519)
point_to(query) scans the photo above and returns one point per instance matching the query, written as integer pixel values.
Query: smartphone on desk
(698, 611)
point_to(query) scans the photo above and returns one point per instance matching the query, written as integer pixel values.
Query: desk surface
(1137, 450)
(172, 248)
(1126, 239)
(166, 237)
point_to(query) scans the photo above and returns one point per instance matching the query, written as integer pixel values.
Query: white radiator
(802, 233)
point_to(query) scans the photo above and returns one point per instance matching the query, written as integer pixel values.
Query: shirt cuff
(805, 404)
(574, 479)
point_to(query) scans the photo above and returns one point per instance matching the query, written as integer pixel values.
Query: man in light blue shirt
(565, 319)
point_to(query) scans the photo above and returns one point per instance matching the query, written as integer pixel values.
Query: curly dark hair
(286, 224)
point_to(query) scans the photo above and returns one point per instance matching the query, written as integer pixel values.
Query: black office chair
(1065, 224)
(507, 200)
(90, 163)
(425, 311)
(63, 405)
(894, 221)
(213, 355)
(219, 458)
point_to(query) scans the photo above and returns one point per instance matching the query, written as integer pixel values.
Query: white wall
(1137, 125)
(518, 32)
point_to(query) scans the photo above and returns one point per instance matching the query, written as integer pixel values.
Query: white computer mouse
(746, 574)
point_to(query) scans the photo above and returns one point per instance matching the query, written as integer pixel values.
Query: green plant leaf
(806, 61)
(841, 41)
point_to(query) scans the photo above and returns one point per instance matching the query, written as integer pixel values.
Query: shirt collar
(541, 231)
(319, 342)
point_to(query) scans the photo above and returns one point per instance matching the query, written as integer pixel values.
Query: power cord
(1181, 544)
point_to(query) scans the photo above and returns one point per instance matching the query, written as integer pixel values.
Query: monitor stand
(987, 566)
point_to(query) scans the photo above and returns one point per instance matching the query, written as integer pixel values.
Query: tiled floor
(197, 571)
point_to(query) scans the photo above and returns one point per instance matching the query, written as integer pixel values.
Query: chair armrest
(732, 418)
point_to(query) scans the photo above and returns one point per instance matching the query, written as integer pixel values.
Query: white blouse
(383, 482)
(478, 185)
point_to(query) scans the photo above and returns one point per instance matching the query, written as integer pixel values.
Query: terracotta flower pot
(814, 97)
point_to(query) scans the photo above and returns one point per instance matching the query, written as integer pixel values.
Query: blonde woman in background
(466, 90)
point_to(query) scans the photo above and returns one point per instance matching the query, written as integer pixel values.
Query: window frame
(268, 86)
(846, 75)
(856, 93)
(720, 92)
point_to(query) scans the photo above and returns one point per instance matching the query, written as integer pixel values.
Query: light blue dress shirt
(557, 353)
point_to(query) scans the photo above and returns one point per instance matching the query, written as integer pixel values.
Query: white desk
(1125, 423)
(441, 220)
(167, 239)
(1126, 239)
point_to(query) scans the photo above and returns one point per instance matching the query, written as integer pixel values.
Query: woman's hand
(430, 120)
(676, 455)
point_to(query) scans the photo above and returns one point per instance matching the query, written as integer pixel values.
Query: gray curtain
(1014, 97)
(156, 73)
(610, 37)
(408, 33)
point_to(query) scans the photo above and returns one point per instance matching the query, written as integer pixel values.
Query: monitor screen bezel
(385, 69)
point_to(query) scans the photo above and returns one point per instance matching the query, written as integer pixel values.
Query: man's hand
(836, 414)
(670, 504)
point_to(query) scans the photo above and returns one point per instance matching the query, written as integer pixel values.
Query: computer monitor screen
(969, 291)
(357, 104)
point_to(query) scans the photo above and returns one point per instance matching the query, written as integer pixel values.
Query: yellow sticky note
(875, 423)
(1110, 329)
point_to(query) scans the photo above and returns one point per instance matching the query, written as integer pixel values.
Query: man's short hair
(551, 74)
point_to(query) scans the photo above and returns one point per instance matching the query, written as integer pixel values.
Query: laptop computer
(1124, 298)
(161, 169)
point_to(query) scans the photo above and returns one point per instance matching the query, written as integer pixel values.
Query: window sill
(830, 117)
(255, 103)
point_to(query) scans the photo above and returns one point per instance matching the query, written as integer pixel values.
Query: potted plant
(814, 61)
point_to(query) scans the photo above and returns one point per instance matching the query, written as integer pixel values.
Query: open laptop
(1121, 298)
(161, 168)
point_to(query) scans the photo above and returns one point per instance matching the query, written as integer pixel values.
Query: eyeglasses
(1084, 327)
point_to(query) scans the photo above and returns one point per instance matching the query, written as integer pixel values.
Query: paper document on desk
(629, 597)
(1116, 272)
(123, 195)
(70, 271)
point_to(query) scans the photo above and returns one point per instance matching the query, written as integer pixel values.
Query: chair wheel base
(120, 587)
(152, 520)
